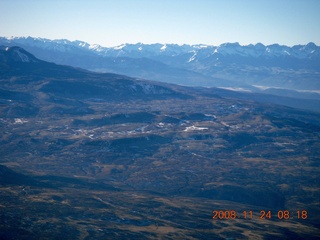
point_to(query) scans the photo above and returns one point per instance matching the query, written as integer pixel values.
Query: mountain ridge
(273, 69)
(309, 48)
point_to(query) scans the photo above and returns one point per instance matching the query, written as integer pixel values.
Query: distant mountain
(199, 51)
(229, 64)
(274, 69)
(21, 71)
(16, 54)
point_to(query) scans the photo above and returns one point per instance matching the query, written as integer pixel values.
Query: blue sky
(114, 22)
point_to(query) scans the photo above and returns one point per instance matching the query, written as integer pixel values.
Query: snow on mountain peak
(163, 48)
(193, 56)
(81, 44)
(190, 52)
(201, 46)
(96, 47)
(18, 54)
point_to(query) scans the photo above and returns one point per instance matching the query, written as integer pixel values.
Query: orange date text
(262, 214)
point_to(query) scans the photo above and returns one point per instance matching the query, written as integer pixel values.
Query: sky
(115, 22)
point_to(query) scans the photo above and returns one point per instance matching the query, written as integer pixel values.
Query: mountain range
(285, 75)
(275, 69)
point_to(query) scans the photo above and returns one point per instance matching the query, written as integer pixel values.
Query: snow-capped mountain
(227, 65)
(17, 54)
(307, 51)
(152, 50)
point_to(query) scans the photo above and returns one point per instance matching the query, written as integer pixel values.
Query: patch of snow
(19, 121)
(163, 48)
(236, 89)
(160, 124)
(309, 91)
(91, 136)
(225, 124)
(194, 128)
(82, 44)
(95, 47)
(193, 56)
(296, 90)
(211, 115)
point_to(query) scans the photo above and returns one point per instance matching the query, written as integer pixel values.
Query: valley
(103, 156)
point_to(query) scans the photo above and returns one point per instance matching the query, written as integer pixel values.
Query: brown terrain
(105, 156)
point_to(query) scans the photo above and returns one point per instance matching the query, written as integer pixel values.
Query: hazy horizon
(112, 23)
(154, 43)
